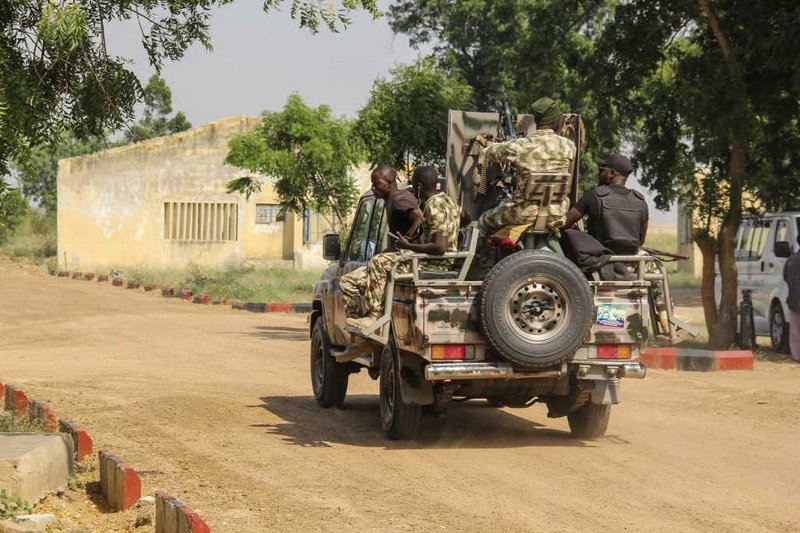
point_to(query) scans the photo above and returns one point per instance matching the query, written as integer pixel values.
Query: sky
(259, 59)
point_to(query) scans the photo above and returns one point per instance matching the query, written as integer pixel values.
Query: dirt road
(215, 406)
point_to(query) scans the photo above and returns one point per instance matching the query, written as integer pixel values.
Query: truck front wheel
(328, 378)
(590, 421)
(398, 419)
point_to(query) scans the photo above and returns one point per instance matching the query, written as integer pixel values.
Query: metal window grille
(201, 221)
(267, 213)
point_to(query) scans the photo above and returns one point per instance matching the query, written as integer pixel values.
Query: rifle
(505, 126)
(653, 251)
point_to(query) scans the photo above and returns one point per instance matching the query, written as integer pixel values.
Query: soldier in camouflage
(541, 158)
(440, 224)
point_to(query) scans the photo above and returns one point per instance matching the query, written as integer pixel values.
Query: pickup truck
(534, 329)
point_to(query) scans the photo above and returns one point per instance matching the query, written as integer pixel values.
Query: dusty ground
(214, 406)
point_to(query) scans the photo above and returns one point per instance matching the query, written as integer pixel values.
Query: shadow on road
(472, 424)
(279, 333)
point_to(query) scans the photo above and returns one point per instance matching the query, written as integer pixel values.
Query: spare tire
(536, 308)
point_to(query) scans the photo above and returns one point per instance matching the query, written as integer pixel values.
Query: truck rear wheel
(398, 419)
(328, 378)
(536, 308)
(590, 421)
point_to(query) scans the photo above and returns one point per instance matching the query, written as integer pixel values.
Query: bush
(34, 237)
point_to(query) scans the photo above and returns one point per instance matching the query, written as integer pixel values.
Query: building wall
(111, 205)
(132, 207)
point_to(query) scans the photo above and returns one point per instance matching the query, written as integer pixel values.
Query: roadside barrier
(174, 516)
(119, 482)
(696, 360)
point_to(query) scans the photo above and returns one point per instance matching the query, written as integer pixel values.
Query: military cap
(545, 110)
(618, 162)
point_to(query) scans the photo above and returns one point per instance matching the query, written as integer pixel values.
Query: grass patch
(11, 507)
(249, 283)
(34, 239)
(11, 424)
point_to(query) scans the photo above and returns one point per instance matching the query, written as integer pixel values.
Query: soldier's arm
(573, 216)
(500, 152)
(415, 216)
(437, 246)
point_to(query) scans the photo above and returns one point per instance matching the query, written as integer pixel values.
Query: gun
(653, 251)
(505, 126)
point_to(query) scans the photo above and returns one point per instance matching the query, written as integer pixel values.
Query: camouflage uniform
(440, 216)
(352, 284)
(542, 151)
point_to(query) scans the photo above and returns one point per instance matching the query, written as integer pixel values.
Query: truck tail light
(613, 351)
(452, 351)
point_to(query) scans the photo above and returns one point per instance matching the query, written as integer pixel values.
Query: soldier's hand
(402, 242)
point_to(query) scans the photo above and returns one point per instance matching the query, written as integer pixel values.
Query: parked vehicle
(762, 246)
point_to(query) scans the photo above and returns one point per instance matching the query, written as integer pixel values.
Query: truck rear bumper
(486, 370)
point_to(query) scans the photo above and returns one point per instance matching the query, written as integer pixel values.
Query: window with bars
(316, 225)
(201, 221)
(267, 213)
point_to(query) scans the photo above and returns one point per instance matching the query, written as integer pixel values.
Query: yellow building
(162, 204)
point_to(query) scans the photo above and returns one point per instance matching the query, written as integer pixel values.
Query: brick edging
(189, 296)
(697, 360)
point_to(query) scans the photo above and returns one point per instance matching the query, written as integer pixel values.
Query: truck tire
(778, 329)
(398, 419)
(536, 308)
(328, 378)
(590, 421)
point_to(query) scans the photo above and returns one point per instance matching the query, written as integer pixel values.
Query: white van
(762, 246)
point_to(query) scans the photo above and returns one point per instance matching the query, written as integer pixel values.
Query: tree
(37, 168)
(711, 96)
(307, 153)
(12, 209)
(527, 48)
(405, 119)
(56, 73)
(157, 107)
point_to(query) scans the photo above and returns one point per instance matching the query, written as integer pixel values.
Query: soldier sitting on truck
(404, 218)
(540, 152)
(440, 225)
(617, 215)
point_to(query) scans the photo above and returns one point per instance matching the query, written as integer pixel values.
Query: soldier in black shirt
(403, 213)
(617, 216)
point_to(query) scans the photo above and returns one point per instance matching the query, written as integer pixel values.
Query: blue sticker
(610, 316)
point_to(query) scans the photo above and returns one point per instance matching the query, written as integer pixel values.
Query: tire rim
(537, 306)
(390, 390)
(777, 328)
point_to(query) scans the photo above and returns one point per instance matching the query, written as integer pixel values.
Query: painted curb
(117, 282)
(133, 284)
(150, 287)
(174, 516)
(15, 401)
(696, 360)
(88, 276)
(200, 299)
(81, 440)
(119, 483)
(40, 413)
(102, 277)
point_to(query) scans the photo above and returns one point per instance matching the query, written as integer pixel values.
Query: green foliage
(307, 153)
(527, 48)
(405, 119)
(56, 74)
(34, 238)
(12, 506)
(12, 209)
(156, 121)
(247, 283)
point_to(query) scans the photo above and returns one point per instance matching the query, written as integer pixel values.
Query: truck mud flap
(415, 388)
(606, 392)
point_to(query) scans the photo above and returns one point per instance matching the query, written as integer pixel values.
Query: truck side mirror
(331, 248)
(782, 249)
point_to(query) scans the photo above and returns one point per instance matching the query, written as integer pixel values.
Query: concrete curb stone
(89, 276)
(15, 401)
(119, 482)
(200, 299)
(40, 412)
(102, 277)
(697, 360)
(167, 291)
(150, 287)
(77, 275)
(255, 307)
(133, 284)
(174, 516)
(118, 282)
(82, 441)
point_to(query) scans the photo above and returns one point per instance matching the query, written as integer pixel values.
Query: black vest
(620, 217)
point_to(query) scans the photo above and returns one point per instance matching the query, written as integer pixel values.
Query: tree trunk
(723, 332)
(707, 245)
